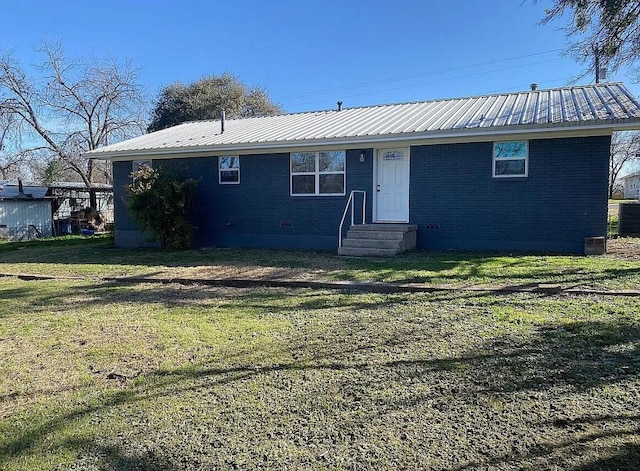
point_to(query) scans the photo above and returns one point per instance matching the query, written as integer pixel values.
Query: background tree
(625, 155)
(206, 98)
(11, 157)
(72, 107)
(607, 30)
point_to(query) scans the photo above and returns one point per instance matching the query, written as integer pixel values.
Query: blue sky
(308, 54)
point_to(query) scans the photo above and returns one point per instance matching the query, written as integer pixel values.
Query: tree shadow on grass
(583, 356)
(101, 251)
(15, 293)
(625, 456)
(96, 454)
(494, 276)
(257, 298)
(580, 356)
(413, 267)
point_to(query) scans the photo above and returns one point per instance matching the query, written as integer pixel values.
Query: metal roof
(10, 188)
(8, 191)
(80, 186)
(605, 106)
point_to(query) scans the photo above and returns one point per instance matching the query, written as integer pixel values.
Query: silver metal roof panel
(36, 192)
(608, 105)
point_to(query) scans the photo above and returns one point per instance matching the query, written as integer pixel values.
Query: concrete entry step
(379, 240)
(366, 252)
(379, 235)
(391, 227)
(374, 243)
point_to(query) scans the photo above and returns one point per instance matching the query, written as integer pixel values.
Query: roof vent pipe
(222, 122)
(339, 106)
(534, 87)
(20, 189)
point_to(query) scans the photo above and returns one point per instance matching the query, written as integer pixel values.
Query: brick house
(515, 171)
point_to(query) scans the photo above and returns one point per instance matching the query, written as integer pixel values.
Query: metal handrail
(346, 208)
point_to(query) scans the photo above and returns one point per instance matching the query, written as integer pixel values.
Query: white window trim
(317, 174)
(525, 158)
(220, 170)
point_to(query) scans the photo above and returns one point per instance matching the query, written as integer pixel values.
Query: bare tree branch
(73, 106)
(609, 29)
(625, 153)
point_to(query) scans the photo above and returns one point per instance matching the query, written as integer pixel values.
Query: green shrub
(159, 202)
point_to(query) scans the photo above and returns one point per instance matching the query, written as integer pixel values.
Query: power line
(411, 76)
(475, 74)
(561, 81)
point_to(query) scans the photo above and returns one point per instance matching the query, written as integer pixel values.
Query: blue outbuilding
(514, 171)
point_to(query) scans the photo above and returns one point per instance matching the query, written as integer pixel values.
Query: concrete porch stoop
(379, 240)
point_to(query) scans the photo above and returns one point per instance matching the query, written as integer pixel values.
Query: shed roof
(9, 191)
(608, 107)
(80, 186)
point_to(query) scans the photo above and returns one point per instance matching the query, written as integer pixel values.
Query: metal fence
(17, 234)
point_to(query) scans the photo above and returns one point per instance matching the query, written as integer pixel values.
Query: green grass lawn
(97, 258)
(613, 220)
(101, 375)
(98, 375)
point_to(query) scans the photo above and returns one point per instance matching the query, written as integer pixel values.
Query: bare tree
(625, 153)
(11, 156)
(72, 107)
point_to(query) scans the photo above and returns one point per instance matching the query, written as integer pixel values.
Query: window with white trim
(510, 159)
(229, 170)
(318, 173)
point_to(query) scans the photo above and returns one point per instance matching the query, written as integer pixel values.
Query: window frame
(236, 170)
(316, 173)
(495, 159)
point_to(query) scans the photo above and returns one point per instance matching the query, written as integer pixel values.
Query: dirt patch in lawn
(625, 248)
(197, 377)
(318, 268)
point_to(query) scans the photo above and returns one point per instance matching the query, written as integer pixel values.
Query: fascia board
(410, 139)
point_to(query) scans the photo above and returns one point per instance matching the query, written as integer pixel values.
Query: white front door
(392, 185)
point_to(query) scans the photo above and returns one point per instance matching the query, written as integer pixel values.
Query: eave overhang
(479, 134)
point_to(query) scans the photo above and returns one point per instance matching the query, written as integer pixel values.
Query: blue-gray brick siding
(126, 230)
(454, 199)
(259, 211)
(457, 204)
